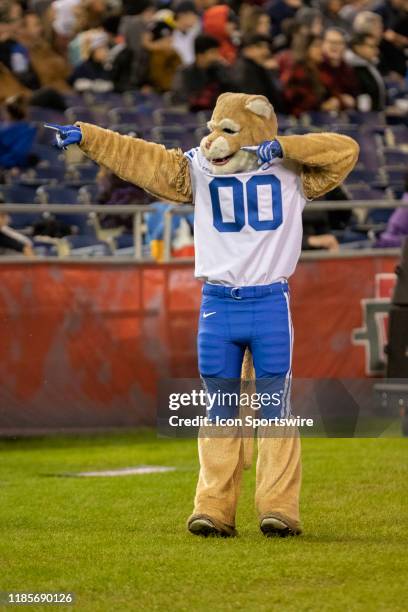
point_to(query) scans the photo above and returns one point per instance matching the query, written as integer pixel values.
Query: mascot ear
(260, 106)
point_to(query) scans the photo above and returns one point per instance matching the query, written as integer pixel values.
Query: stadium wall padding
(85, 344)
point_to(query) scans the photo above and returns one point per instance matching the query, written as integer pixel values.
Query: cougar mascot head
(238, 120)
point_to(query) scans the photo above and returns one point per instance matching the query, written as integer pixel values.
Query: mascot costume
(249, 187)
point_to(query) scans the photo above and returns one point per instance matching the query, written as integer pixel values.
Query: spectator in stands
(62, 15)
(187, 28)
(363, 57)
(92, 75)
(14, 55)
(337, 76)
(90, 14)
(397, 226)
(331, 12)
(301, 85)
(394, 14)
(255, 72)
(350, 10)
(307, 21)
(281, 11)
(51, 68)
(310, 21)
(221, 23)
(134, 27)
(16, 136)
(113, 190)
(11, 240)
(200, 84)
(163, 59)
(256, 21)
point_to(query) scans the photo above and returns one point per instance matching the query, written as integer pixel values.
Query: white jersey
(247, 226)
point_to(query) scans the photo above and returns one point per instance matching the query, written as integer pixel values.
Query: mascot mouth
(220, 161)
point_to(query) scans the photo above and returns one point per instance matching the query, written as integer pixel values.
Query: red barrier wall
(84, 345)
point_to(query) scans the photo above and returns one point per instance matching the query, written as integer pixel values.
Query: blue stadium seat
(79, 175)
(18, 194)
(138, 117)
(137, 98)
(395, 157)
(396, 135)
(45, 115)
(186, 137)
(363, 175)
(173, 117)
(80, 113)
(365, 192)
(127, 129)
(43, 175)
(46, 152)
(86, 246)
(124, 245)
(88, 194)
(50, 194)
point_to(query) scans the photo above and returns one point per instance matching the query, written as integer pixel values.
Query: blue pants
(232, 319)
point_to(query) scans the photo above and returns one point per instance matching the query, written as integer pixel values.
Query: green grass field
(121, 543)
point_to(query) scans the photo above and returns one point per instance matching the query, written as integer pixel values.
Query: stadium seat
(46, 152)
(365, 192)
(186, 137)
(80, 174)
(88, 194)
(43, 175)
(81, 113)
(363, 175)
(396, 177)
(319, 118)
(369, 119)
(80, 223)
(135, 116)
(50, 194)
(18, 194)
(395, 135)
(124, 245)
(86, 246)
(135, 98)
(173, 117)
(395, 157)
(127, 129)
(45, 115)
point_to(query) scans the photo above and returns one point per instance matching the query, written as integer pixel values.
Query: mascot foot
(203, 525)
(278, 525)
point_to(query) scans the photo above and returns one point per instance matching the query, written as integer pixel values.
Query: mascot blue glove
(66, 134)
(268, 151)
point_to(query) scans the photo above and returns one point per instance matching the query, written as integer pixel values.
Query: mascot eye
(229, 131)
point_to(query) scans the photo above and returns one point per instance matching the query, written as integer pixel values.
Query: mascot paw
(66, 134)
(268, 151)
(277, 525)
(203, 525)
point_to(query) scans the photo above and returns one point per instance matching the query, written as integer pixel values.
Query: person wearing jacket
(16, 135)
(397, 227)
(221, 23)
(255, 71)
(363, 57)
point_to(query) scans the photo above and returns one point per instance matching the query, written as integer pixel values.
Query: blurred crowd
(312, 55)
(127, 62)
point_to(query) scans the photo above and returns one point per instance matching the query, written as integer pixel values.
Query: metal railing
(138, 224)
